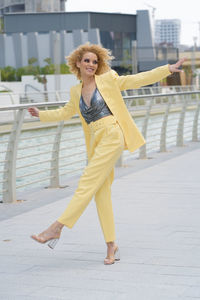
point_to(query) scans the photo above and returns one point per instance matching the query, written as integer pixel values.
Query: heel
(117, 254)
(52, 243)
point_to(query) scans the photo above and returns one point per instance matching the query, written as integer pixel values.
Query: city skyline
(187, 13)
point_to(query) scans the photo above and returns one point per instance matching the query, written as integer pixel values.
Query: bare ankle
(57, 226)
(110, 244)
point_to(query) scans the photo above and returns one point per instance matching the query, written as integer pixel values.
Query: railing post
(119, 162)
(143, 149)
(180, 129)
(195, 124)
(163, 147)
(13, 102)
(9, 185)
(54, 181)
(57, 96)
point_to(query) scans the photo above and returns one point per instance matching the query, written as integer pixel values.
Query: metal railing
(33, 97)
(14, 98)
(38, 153)
(62, 95)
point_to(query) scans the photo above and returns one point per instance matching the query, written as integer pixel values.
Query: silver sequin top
(97, 110)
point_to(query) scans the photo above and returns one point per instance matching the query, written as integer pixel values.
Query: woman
(108, 128)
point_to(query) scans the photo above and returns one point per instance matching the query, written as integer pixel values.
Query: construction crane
(152, 12)
(153, 9)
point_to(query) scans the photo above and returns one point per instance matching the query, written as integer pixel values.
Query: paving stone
(156, 205)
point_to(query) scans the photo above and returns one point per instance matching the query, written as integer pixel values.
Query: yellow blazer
(110, 86)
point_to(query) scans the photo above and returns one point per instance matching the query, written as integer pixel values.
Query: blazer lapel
(104, 83)
(78, 96)
(77, 101)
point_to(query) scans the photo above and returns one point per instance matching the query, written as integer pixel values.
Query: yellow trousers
(106, 146)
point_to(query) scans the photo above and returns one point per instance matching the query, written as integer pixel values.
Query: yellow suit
(98, 175)
(110, 86)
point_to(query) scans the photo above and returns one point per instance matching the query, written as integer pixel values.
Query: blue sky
(186, 11)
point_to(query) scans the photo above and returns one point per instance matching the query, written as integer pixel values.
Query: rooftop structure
(13, 6)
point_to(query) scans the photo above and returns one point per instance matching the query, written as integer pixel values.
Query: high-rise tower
(10, 6)
(168, 31)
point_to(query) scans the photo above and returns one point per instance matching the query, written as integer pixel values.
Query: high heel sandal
(111, 260)
(51, 242)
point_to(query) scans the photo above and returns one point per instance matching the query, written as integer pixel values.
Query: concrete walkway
(157, 212)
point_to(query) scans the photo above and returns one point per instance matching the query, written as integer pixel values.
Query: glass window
(119, 42)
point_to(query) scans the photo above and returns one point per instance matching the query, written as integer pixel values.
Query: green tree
(8, 74)
(11, 74)
(49, 68)
(32, 68)
(19, 73)
(64, 69)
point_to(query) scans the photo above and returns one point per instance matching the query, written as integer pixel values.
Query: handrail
(60, 103)
(27, 85)
(166, 119)
(25, 106)
(7, 89)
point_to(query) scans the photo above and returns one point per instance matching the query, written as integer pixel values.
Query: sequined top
(97, 109)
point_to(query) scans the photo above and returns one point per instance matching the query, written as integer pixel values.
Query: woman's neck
(88, 81)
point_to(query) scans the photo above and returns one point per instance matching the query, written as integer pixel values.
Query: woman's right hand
(34, 111)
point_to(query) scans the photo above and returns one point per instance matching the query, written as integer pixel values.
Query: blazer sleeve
(136, 81)
(60, 114)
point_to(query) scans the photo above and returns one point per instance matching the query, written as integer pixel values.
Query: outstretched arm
(56, 115)
(145, 78)
(61, 114)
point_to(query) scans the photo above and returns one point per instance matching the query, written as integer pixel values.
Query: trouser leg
(105, 210)
(102, 162)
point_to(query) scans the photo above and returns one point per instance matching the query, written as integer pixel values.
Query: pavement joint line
(158, 237)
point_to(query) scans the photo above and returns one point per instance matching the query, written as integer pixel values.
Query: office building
(55, 35)
(167, 32)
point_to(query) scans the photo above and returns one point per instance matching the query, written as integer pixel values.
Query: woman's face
(88, 64)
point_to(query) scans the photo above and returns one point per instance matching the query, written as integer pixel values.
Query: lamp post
(134, 57)
(57, 60)
(193, 60)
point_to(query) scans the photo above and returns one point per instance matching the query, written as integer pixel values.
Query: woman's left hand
(175, 67)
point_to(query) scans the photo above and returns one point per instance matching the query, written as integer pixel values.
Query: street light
(193, 60)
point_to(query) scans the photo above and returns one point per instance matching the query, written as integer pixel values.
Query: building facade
(55, 35)
(168, 32)
(16, 6)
